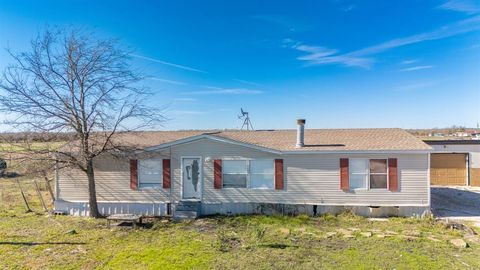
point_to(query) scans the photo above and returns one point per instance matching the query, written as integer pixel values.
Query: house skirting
(312, 210)
(110, 208)
(164, 209)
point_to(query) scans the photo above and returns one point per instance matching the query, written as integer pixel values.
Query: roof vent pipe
(300, 133)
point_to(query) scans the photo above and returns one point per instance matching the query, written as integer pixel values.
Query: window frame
(155, 185)
(249, 173)
(385, 173)
(368, 173)
(246, 169)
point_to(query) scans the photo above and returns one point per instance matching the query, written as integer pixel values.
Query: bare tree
(72, 82)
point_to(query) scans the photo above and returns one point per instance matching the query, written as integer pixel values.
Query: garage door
(448, 169)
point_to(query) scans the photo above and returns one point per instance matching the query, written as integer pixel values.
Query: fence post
(40, 195)
(23, 196)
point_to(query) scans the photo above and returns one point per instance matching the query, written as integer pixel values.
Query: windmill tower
(247, 124)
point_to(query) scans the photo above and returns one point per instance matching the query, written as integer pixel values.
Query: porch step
(185, 215)
(188, 206)
(187, 210)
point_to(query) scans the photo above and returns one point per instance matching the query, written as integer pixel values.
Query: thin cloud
(348, 8)
(416, 68)
(185, 99)
(465, 6)
(168, 63)
(225, 91)
(283, 22)
(186, 112)
(416, 86)
(408, 62)
(247, 82)
(167, 81)
(317, 55)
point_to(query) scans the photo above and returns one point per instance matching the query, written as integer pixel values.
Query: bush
(3, 166)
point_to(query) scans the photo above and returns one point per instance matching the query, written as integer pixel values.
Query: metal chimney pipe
(300, 133)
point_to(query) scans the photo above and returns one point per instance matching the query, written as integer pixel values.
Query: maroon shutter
(392, 174)
(344, 183)
(278, 173)
(217, 173)
(133, 174)
(166, 173)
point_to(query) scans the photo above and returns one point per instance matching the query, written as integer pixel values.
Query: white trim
(200, 163)
(57, 183)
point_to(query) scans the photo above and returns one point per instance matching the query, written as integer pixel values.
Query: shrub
(3, 166)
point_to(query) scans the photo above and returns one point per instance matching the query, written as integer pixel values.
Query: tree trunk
(92, 194)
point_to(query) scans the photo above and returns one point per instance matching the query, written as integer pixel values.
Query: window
(262, 174)
(254, 174)
(368, 173)
(149, 173)
(378, 173)
(235, 173)
(358, 173)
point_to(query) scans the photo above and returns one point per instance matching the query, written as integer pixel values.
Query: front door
(191, 178)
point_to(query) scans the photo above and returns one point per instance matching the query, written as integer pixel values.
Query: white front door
(192, 178)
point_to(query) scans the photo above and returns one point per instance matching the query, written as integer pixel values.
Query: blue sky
(338, 63)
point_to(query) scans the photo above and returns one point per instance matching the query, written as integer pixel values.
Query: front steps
(186, 210)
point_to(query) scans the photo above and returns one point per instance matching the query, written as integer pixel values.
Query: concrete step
(195, 208)
(188, 206)
(184, 215)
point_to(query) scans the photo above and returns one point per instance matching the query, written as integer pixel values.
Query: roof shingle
(381, 139)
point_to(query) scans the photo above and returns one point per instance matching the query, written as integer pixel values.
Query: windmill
(247, 124)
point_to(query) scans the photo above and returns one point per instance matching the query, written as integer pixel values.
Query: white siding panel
(309, 179)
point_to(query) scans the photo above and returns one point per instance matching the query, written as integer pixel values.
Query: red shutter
(344, 183)
(392, 174)
(278, 173)
(217, 173)
(166, 173)
(133, 174)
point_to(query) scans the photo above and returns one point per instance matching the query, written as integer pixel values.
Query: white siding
(309, 179)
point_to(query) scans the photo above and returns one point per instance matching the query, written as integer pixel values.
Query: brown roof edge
(452, 142)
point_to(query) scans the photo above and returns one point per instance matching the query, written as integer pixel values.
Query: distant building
(461, 134)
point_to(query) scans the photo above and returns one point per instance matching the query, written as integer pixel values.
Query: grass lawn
(39, 241)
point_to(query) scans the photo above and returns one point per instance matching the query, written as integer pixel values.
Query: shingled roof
(382, 139)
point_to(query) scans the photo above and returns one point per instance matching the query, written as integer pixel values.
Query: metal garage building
(455, 162)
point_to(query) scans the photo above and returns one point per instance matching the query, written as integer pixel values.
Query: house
(461, 134)
(372, 172)
(455, 162)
